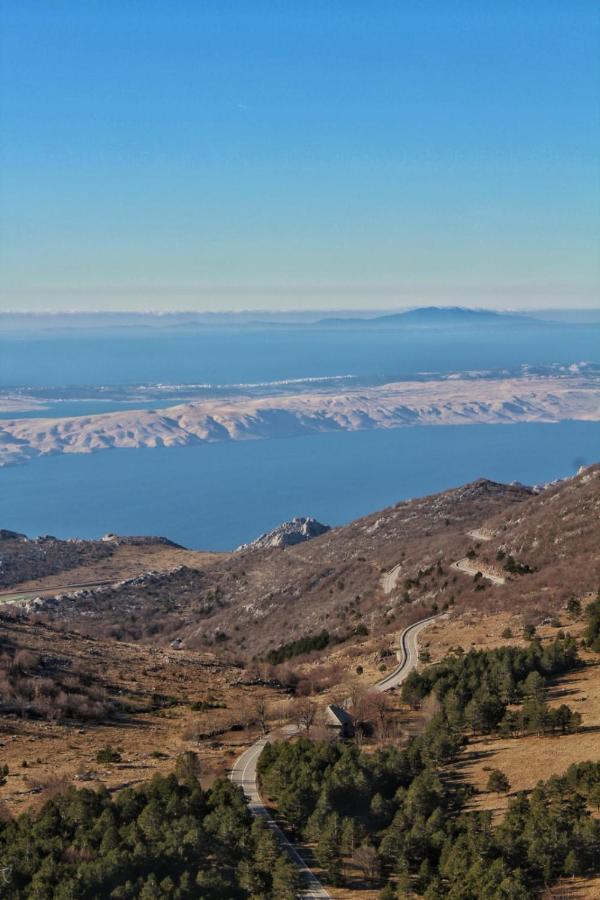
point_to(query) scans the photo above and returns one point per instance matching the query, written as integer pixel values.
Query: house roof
(337, 715)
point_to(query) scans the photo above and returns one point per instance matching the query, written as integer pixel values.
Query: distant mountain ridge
(431, 316)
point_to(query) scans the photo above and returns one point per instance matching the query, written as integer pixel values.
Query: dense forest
(402, 820)
(166, 840)
(477, 689)
(400, 814)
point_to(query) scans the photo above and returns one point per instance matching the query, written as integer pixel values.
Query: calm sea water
(239, 355)
(219, 495)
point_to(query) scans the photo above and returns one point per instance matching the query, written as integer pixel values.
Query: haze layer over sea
(219, 495)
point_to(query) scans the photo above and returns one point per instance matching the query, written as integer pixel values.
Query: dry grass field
(126, 561)
(157, 722)
(527, 760)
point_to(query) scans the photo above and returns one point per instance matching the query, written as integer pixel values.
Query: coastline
(544, 399)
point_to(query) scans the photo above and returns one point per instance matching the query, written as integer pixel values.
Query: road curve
(408, 655)
(244, 774)
(471, 568)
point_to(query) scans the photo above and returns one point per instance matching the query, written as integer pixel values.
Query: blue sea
(218, 496)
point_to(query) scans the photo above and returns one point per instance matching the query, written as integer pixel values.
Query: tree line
(476, 689)
(592, 631)
(402, 819)
(305, 644)
(165, 840)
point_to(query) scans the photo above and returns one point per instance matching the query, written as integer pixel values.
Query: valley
(161, 651)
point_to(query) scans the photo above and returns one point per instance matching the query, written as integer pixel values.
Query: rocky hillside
(298, 530)
(23, 558)
(47, 562)
(484, 545)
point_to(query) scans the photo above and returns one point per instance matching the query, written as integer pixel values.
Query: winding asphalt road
(471, 568)
(243, 772)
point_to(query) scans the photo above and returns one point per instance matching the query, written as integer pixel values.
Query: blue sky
(176, 155)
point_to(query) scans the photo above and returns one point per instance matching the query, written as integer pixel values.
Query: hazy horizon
(299, 314)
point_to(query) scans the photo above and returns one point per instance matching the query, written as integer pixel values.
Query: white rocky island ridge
(454, 401)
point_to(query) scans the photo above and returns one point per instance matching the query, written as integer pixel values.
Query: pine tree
(572, 865)
(498, 782)
(285, 879)
(327, 851)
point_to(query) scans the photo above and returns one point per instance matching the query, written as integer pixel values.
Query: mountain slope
(377, 573)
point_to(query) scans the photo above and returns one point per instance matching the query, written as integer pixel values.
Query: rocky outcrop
(287, 534)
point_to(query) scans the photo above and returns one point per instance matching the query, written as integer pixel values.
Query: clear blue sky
(299, 154)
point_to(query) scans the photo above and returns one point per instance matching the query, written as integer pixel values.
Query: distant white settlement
(455, 401)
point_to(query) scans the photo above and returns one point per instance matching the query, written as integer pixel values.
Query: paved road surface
(244, 770)
(471, 568)
(390, 579)
(408, 655)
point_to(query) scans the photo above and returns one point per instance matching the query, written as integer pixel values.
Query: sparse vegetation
(108, 755)
(516, 568)
(34, 686)
(529, 631)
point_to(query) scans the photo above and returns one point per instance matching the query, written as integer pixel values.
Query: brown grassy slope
(48, 563)
(151, 718)
(556, 533)
(251, 601)
(256, 599)
(126, 560)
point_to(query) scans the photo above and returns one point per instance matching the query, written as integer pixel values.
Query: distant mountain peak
(438, 315)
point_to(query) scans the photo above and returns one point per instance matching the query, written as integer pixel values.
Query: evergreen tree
(498, 782)
(285, 879)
